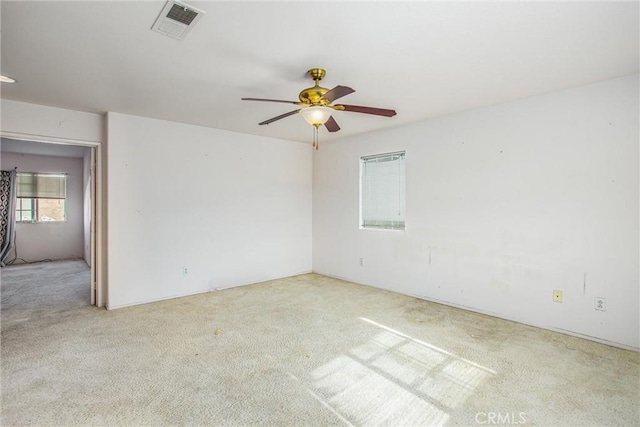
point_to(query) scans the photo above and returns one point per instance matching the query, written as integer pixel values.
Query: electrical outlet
(185, 271)
(361, 262)
(600, 304)
(557, 296)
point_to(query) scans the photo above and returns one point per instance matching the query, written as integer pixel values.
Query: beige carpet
(306, 350)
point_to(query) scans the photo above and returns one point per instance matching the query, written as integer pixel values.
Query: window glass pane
(382, 191)
(24, 210)
(51, 210)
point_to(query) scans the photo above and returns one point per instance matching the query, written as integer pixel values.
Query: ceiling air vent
(176, 19)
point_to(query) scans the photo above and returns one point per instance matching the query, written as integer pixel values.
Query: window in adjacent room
(41, 197)
(382, 191)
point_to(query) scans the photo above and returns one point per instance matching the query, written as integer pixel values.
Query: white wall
(232, 208)
(50, 240)
(504, 205)
(49, 122)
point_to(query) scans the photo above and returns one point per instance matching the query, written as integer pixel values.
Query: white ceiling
(424, 59)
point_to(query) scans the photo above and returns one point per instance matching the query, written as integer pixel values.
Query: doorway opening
(75, 230)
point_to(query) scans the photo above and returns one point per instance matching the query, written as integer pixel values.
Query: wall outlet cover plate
(557, 296)
(600, 304)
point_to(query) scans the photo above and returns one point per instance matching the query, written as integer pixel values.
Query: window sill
(382, 228)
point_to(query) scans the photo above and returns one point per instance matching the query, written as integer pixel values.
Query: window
(41, 197)
(382, 191)
(25, 210)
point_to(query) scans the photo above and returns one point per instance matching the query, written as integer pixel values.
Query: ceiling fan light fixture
(316, 115)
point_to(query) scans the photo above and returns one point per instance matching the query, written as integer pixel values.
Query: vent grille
(176, 19)
(181, 14)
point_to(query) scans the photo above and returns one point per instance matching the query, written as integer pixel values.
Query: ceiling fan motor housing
(313, 95)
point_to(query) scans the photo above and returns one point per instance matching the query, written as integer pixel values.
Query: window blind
(382, 193)
(41, 185)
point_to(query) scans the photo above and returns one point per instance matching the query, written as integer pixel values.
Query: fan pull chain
(315, 137)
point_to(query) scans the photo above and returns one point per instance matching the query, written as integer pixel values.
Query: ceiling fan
(316, 105)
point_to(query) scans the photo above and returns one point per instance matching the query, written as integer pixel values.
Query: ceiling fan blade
(272, 100)
(367, 110)
(281, 116)
(332, 125)
(337, 92)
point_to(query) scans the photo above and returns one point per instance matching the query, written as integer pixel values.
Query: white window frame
(393, 224)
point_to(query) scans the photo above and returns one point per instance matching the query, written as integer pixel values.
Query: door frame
(98, 285)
